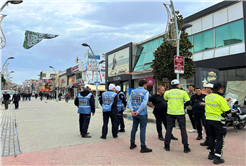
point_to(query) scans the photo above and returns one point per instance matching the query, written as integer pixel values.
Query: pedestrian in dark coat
(16, 98)
(6, 97)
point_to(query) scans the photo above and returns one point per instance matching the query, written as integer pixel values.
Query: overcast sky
(103, 25)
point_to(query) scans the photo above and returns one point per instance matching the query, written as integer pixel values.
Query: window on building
(139, 65)
(153, 44)
(229, 34)
(203, 41)
(52, 75)
(190, 39)
(149, 57)
(161, 41)
(145, 45)
(44, 75)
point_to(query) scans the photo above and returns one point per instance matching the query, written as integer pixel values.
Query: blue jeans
(142, 120)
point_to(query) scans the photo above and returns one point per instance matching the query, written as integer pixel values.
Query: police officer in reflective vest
(108, 102)
(215, 110)
(138, 105)
(86, 106)
(121, 107)
(175, 110)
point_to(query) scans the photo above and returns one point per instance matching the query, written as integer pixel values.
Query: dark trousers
(159, 120)
(6, 103)
(23, 98)
(190, 113)
(217, 131)
(182, 125)
(41, 98)
(84, 121)
(113, 117)
(16, 104)
(120, 121)
(199, 119)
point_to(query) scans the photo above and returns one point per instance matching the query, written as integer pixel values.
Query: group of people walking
(15, 99)
(169, 106)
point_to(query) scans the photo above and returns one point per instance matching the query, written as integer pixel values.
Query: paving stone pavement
(9, 135)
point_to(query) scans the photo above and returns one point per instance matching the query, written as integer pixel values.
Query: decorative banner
(33, 38)
(2, 37)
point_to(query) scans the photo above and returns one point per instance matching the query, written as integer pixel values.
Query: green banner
(33, 38)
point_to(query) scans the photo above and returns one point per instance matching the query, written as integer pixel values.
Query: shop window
(231, 75)
(203, 41)
(240, 74)
(149, 57)
(190, 39)
(229, 34)
(153, 44)
(139, 65)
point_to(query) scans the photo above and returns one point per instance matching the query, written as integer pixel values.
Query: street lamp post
(86, 45)
(55, 82)
(178, 31)
(10, 1)
(1, 77)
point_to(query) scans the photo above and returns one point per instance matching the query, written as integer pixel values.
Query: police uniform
(216, 104)
(121, 107)
(175, 110)
(109, 101)
(138, 103)
(86, 105)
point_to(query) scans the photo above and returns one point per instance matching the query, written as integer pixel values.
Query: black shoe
(204, 143)
(211, 156)
(167, 148)
(186, 150)
(161, 138)
(144, 149)
(86, 136)
(133, 146)
(103, 137)
(174, 138)
(199, 138)
(121, 130)
(115, 136)
(218, 160)
(88, 133)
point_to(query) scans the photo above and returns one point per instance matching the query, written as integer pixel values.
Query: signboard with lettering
(179, 64)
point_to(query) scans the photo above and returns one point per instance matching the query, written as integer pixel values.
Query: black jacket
(92, 100)
(16, 97)
(6, 96)
(195, 103)
(123, 98)
(114, 105)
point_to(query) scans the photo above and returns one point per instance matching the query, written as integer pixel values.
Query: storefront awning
(140, 72)
(100, 88)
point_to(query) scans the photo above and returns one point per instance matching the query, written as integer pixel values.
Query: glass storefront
(232, 75)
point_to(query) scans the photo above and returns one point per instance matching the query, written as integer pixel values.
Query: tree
(163, 63)
(3, 80)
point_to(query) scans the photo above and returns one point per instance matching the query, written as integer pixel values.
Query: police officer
(86, 107)
(121, 107)
(198, 111)
(216, 109)
(138, 105)
(175, 110)
(108, 102)
(209, 90)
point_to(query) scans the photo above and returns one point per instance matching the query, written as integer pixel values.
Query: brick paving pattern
(9, 136)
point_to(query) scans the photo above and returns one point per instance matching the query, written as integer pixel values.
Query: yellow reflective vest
(176, 98)
(215, 106)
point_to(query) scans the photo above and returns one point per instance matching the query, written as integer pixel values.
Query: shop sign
(150, 80)
(62, 81)
(75, 69)
(75, 84)
(116, 78)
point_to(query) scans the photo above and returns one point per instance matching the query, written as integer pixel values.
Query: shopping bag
(11, 102)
